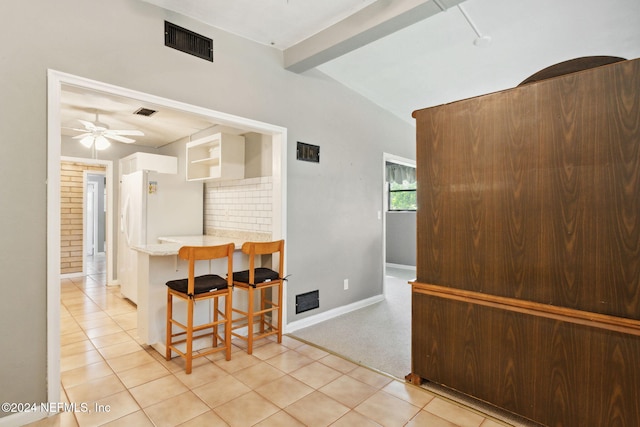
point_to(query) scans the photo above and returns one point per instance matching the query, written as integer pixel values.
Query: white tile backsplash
(242, 205)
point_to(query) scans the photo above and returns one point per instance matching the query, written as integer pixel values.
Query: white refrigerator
(152, 205)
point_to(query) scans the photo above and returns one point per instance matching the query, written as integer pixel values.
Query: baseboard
(330, 314)
(72, 275)
(22, 418)
(401, 266)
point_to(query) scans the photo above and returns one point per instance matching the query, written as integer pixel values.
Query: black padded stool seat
(203, 284)
(261, 275)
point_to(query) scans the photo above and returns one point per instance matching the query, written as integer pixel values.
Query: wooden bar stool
(260, 278)
(200, 288)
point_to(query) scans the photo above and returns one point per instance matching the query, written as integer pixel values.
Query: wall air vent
(188, 41)
(145, 112)
(308, 152)
(307, 301)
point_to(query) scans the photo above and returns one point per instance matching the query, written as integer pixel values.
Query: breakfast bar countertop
(170, 245)
(159, 262)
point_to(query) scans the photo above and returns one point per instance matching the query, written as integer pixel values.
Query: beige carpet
(377, 336)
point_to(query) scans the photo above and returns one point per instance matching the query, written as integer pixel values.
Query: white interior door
(91, 218)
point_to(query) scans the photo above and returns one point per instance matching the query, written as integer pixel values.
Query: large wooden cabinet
(527, 293)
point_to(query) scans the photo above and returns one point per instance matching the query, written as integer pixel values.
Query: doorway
(399, 224)
(95, 210)
(56, 82)
(80, 177)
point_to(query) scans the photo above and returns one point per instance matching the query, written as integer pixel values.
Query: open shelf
(218, 156)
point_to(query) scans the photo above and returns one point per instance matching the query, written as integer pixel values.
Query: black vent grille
(145, 112)
(307, 301)
(308, 152)
(187, 41)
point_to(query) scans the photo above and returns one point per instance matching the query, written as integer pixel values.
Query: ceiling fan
(96, 134)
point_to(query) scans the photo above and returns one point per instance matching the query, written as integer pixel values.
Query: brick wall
(71, 214)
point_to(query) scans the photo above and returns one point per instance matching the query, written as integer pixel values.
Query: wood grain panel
(614, 397)
(593, 178)
(543, 369)
(470, 181)
(623, 130)
(560, 379)
(428, 358)
(536, 185)
(516, 204)
(531, 198)
(431, 237)
(570, 159)
(512, 363)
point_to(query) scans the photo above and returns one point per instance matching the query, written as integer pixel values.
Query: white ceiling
(117, 112)
(401, 54)
(435, 61)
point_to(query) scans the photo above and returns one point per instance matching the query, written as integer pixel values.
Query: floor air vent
(188, 41)
(307, 301)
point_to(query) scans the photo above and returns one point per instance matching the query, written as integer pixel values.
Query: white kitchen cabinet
(148, 161)
(218, 156)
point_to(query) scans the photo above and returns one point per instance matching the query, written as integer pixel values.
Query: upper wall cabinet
(218, 156)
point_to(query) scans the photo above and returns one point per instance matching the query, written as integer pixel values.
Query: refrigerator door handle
(125, 220)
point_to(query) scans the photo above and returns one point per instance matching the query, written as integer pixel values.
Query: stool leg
(280, 285)
(189, 353)
(250, 322)
(167, 355)
(215, 319)
(227, 325)
(263, 305)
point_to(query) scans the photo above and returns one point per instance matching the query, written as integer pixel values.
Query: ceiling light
(87, 141)
(101, 143)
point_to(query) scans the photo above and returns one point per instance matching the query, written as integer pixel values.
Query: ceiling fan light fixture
(87, 141)
(101, 143)
(98, 135)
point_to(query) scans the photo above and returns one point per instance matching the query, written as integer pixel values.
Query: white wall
(333, 228)
(401, 237)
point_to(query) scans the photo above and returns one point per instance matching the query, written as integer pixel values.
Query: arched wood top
(571, 66)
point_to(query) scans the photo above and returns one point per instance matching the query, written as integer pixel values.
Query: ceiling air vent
(188, 41)
(145, 112)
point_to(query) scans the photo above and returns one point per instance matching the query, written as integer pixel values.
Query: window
(402, 197)
(401, 181)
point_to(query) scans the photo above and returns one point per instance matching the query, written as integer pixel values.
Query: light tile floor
(289, 384)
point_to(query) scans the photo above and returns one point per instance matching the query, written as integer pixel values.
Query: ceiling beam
(373, 22)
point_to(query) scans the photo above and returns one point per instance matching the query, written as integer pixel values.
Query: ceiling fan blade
(125, 132)
(82, 135)
(118, 138)
(88, 125)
